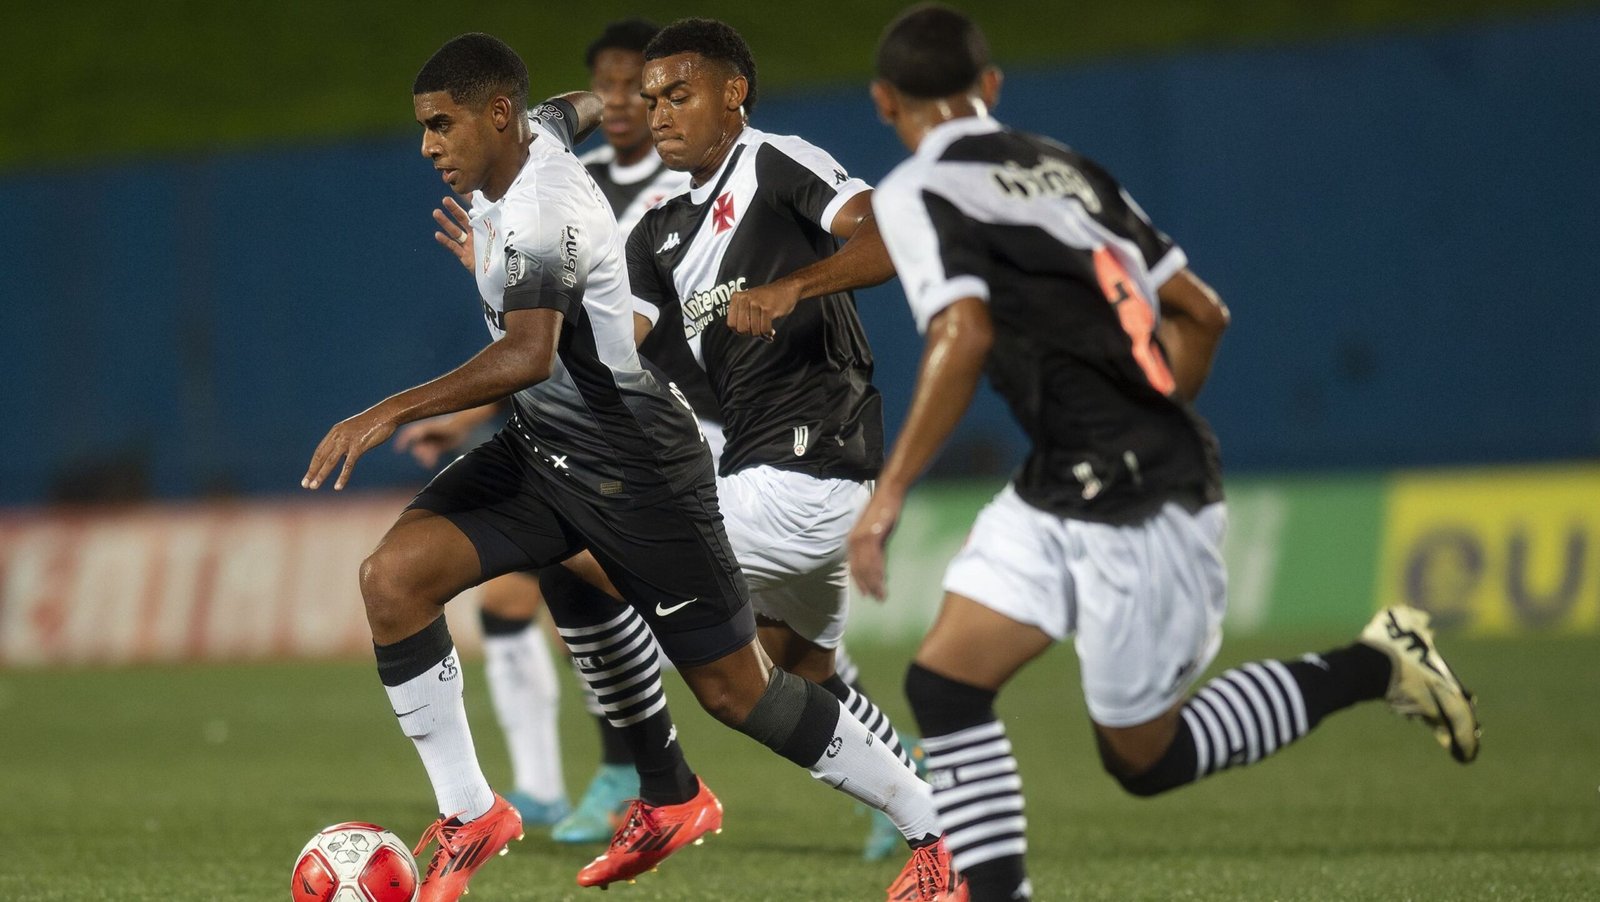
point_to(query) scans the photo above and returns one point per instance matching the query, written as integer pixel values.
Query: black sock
(614, 748)
(495, 625)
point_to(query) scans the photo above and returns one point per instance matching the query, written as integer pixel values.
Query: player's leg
(976, 787)
(789, 533)
(421, 563)
(615, 781)
(1008, 593)
(526, 695)
(476, 520)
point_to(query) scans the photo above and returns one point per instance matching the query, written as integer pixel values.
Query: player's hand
(869, 542)
(347, 440)
(752, 312)
(429, 440)
(455, 231)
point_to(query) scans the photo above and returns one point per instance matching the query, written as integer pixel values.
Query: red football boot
(929, 877)
(463, 848)
(650, 833)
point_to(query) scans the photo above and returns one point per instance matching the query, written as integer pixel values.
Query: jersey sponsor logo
(703, 307)
(663, 610)
(672, 241)
(802, 439)
(519, 266)
(722, 212)
(1138, 319)
(495, 318)
(546, 112)
(1051, 178)
(569, 256)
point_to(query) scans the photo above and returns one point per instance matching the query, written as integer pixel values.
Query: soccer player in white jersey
(1025, 259)
(597, 456)
(522, 682)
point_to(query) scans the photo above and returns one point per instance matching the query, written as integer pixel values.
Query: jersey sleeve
(547, 258)
(935, 248)
(1123, 216)
(557, 118)
(649, 294)
(806, 178)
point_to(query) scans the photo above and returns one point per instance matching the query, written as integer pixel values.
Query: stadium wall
(1489, 552)
(1393, 220)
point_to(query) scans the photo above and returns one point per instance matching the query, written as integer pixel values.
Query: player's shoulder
(793, 146)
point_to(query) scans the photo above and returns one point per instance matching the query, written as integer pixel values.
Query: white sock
(431, 713)
(525, 691)
(860, 765)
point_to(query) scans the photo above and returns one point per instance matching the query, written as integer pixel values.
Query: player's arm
(427, 440)
(587, 108)
(861, 262)
(524, 356)
(1193, 319)
(959, 339)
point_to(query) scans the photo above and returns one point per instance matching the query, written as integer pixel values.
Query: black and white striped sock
(613, 651)
(978, 792)
(870, 715)
(1244, 715)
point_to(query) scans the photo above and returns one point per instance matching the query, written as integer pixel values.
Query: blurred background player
(1021, 257)
(804, 425)
(521, 679)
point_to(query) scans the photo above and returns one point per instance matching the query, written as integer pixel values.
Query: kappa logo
(722, 212)
(672, 241)
(839, 177)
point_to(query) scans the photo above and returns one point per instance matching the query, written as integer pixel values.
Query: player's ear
(501, 112)
(738, 89)
(989, 86)
(884, 99)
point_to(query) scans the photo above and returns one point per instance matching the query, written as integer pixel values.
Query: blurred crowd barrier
(1497, 551)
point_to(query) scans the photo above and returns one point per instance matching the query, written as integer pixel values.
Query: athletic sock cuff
(794, 717)
(414, 655)
(942, 705)
(495, 625)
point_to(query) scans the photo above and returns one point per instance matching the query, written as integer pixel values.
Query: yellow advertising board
(1496, 551)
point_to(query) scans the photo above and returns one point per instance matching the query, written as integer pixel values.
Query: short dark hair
(713, 40)
(932, 50)
(632, 35)
(474, 68)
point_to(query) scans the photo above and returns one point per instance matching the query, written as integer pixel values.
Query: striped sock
(1244, 715)
(870, 716)
(617, 659)
(979, 796)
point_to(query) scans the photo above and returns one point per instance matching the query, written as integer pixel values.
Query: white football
(354, 862)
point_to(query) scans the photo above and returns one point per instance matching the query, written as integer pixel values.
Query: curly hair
(632, 35)
(713, 40)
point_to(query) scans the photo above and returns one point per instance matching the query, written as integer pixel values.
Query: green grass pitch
(201, 783)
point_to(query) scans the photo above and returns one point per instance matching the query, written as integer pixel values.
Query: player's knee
(1144, 779)
(387, 589)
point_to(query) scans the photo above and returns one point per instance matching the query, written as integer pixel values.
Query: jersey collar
(701, 194)
(950, 131)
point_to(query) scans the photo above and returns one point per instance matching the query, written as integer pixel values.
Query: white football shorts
(1144, 601)
(789, 533)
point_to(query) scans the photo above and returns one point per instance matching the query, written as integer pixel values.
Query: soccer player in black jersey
(597, 455)
(1024, 259)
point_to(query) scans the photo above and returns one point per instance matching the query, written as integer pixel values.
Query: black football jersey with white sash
(805, 401)
(1069, 267)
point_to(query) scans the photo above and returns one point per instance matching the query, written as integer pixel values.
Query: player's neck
(506, 169)
(719, 153)
(934, 113)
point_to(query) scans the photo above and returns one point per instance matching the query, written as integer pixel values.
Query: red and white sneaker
(463, 848)
(929, 877)
(650, 833)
